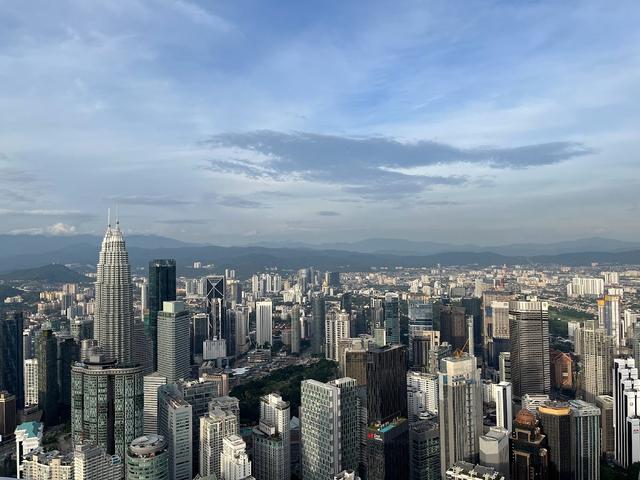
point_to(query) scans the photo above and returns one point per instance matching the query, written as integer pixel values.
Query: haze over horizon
(241, 123)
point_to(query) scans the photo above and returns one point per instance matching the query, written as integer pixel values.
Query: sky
(237, 122)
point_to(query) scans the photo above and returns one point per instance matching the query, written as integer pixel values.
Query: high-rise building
(555, 418)
(595, 350)
(92, 462)
(386, 383)
(161, 288)
(504, 366)
(460, 410)
(529, 454)
(453, 326)
(317, 323)
(264, 322)
(529, 327)
(8, 414)
(215, 294)
(609, 317)
(12, 355)
(271, 440)
(495, 324)
(175, 425)
(607, 442)
(41, 465)
(422, 394)
(462, 470)
(199, 333)
(504, 406)
(234, 461)
(388, 450)
(31, 381)
(421, 343)
(336, 328)
(28, 438)
(626, 411)
(295, 329)
(152, 383)
(48, 390)
(329, 428)
(494, 450)
(424, 449)
(392, 317)
(107, 402)
(585, 440)
(114, 298)
(213, 428)
(147, 458)
(585, 286)
(173, 341)
(68, 353)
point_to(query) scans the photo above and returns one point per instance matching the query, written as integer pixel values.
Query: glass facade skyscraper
(162, 288)
(12, 356)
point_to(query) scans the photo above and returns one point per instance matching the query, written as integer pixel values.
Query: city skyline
(290, 122)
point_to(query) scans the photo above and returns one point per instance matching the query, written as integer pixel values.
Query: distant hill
(7, 291)
(53, 273)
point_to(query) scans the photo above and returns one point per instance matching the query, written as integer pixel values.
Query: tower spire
(109, 217)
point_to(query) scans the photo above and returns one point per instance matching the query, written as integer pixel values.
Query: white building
(90, 462)
(214, 426)
(585, 286)
(151, 384)
(504, 405)
(31, 381)
(234, 460)
(28, 438)
(40, 465)
(494, 450)
(174, 343)
(336, 329)
(264, 322)
(271, 439)
(422, 394)
(626, 411)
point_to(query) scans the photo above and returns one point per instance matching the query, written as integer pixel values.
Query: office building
(337, 327)
(199, 334)
(107, 402)
(595, 350)
(161, 288)
(264, 323)
(388, 450)
(424, 449)
(48, 388)
(609, 318)
(555, 418)
(12, 355)
(585, 440)
(8, 415)
(329, 417)
(176, 427)
(422, 394)
(392, 318)
(504, 405)
(92, 462)
(529, 327)
(28, 438)
(151, 385)
(41, 465)
(529, 454)
(173, 341)
(495, 324)
(422, 342)
(214, 427)
(114, 299)
(271, 440)
(626, 411)
(453, 326)
(317, 323)
(147, 459)
(494, 450)
(386, 383)
(234, 461)
(504, 366)
(214, 296)
(296, 329)
(68, 354)
(607, 442)
(460, 410)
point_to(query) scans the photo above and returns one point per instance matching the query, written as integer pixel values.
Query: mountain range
(29, 251)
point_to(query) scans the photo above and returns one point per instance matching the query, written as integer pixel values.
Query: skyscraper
(264, 322)
(607, 442)
(173, 341)
(596, 350)
(388, 450)
(147, 458)
(424, 449)
(92, 462)
(329, 428)
(12, 355)
(460, 410)
(161, 288)
(68, 353)
(48, 391)
(529, 328)
(151, 384)
(386, 383)
(609, 317)
(585, 440)
(392, 317)
(529, 454)
(336, 329)
(8, 414)
(295, 329)
(494, 450)
(555, 418)
(215, 305)
(453, 326)
(31, 381)
(234, 461)
(422, 394)
(114, 298)
(271, 440)
(626, 411)
(107, 402)
(317, 323)
(504, 406)
(175, 425)
(213, 428)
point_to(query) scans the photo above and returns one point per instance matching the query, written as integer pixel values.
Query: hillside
(53, 273)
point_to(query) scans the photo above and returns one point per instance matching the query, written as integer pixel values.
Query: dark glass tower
(453, 326)
(386, 383)
(392, 318)
(318, 323)
(162, 288)
(12, 356)
(68, 353)
(48, 391)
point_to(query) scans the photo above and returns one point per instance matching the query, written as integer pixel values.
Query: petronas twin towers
(114, 298)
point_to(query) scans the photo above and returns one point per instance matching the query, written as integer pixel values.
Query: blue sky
(234, 122)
